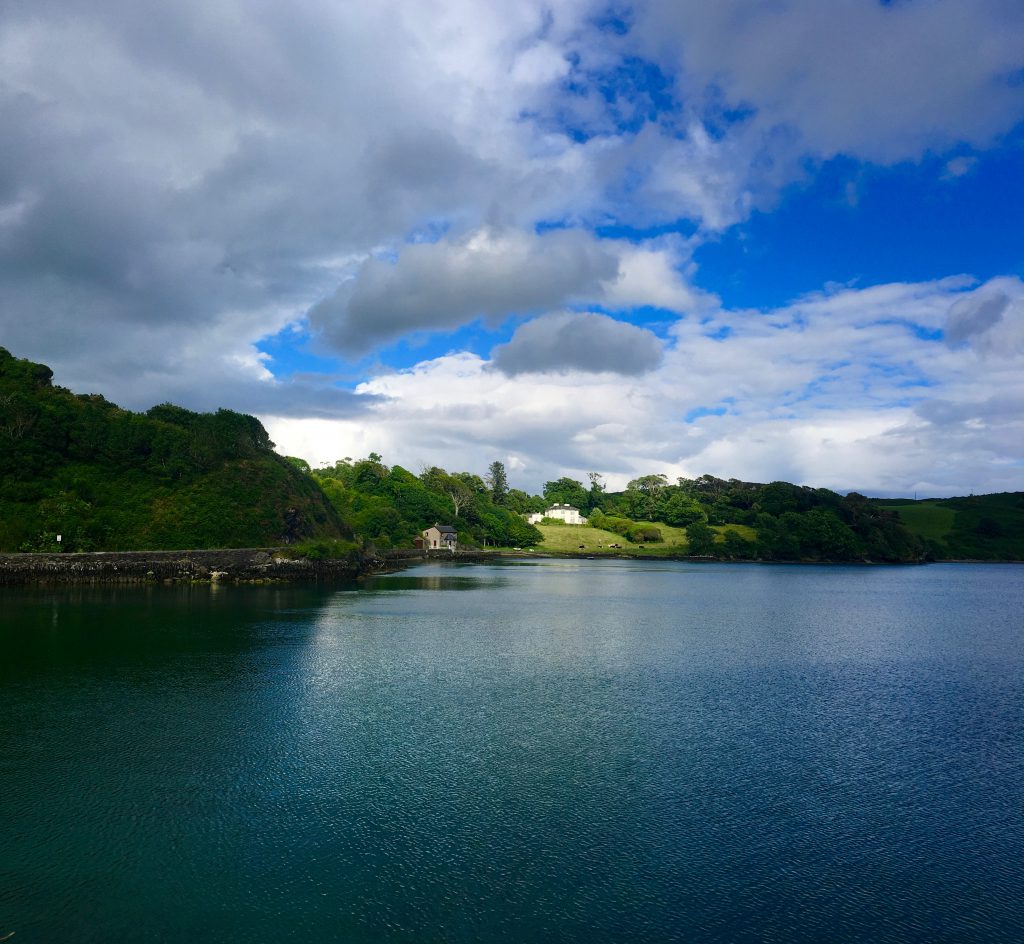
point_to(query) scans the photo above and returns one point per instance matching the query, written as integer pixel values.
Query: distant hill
(106, 478)
(979, 527)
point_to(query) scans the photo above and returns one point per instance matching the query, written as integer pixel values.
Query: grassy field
(569, 538)
(926, 519)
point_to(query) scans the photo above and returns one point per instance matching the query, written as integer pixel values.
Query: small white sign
(58, 539)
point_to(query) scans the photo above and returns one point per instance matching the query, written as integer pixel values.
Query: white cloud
(183, 164)
(836, 390)
(180, 180)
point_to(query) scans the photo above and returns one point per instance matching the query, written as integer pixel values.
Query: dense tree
(681, 510)
(700, 539)
(566, 491)
(735, 546)
(106, 478)
(643, 494)
(497, 482)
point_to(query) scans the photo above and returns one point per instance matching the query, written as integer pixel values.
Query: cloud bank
(837, 389)
(180, 182)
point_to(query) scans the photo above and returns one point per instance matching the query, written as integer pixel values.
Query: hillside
(105, 478)
(979, 527)
(109, 479)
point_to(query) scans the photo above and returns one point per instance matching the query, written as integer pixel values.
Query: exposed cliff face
(108, 479)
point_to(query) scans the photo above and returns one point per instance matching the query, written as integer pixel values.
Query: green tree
(565, 491)
(455, 489)
(700, 540)
(497, 481)
(682, 510)
(643, 494)
(735, 546)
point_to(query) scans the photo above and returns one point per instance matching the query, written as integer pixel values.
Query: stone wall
(233, 565)
(237, 565)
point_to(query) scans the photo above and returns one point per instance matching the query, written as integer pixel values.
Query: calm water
(550, 751)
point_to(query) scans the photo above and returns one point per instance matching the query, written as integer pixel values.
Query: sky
(761, 240)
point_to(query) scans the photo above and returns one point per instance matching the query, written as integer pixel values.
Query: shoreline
(272, 565)
(224, 565)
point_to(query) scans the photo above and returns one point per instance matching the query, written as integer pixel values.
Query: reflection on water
(437, 581)
(581, 751)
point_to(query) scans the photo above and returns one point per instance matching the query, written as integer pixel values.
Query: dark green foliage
(735, 546)
(681, 510)
(326, 549)
(497, 482)
(518, 501)
(566, 491)
(793, 522)
(613, 523)
(645, 534)
(391, 507)
(108, 479)
(644, 496)
(978, 527)
(700, 540)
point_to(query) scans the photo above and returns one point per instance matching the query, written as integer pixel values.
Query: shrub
(645, 534)
(618, 525)
(325, 549)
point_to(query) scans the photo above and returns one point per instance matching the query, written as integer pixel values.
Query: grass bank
(582, 539)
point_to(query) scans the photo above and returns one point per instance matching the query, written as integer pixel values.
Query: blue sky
(912, 222)
(756, 240)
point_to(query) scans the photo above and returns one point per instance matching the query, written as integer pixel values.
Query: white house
(566, 513)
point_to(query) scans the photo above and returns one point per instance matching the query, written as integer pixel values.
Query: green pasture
(568, 538)
(926, 519)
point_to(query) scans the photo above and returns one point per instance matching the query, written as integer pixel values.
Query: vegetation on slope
(979, 527)
(788, 522)
(109, 479)
(731, 541)
(389, 507)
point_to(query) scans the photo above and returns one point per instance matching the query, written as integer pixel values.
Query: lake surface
(592, 751)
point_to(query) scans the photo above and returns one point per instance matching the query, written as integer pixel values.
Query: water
(594, 751)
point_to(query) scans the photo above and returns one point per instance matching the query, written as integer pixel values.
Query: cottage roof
(562, 507)
(446, 529)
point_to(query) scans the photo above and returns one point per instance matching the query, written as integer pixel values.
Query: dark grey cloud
(583, 341)
(878, 81)
(974, 315)
(977, 416)
(297, 399)
(217, 167)
(490, 274)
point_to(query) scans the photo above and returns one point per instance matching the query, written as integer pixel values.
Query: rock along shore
(234, 565)
(230, 565)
